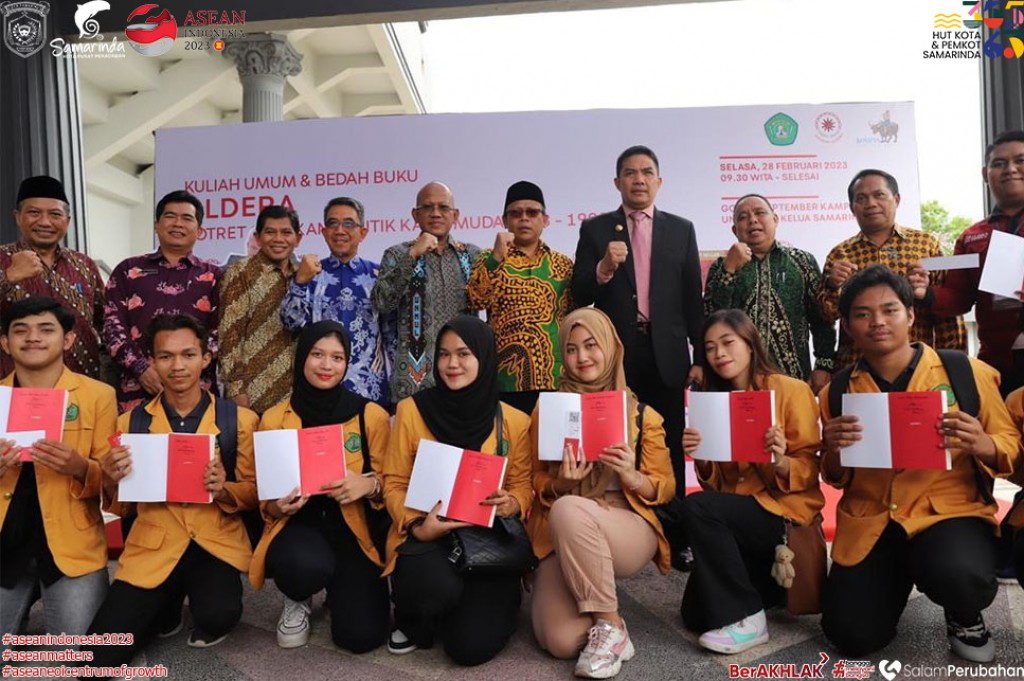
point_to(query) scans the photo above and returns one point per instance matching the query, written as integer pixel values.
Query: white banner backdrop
(801, 156)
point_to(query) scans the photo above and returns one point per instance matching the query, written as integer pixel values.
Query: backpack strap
(961, 378)
(140, 420)
(640, 407)
(364, 441)
(498, 427)
(836, 388)
(226, 416)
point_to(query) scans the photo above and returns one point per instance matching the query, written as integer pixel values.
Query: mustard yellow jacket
(917, 499)
(162, 531)
(282, 416)
(71, 509)
(1015, 405)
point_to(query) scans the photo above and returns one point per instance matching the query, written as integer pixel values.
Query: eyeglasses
(442, 208)
(516, 213)
(347, 224)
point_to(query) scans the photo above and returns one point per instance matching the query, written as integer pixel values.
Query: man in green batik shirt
(775, 285)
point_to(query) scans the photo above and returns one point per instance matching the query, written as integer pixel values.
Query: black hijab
(463, 418)
(317, 407)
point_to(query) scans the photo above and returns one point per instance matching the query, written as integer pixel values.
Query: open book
(587, 422)
(459, 478)
(30, 414)
(899, 431)
(732, 425)
(167, 467)
(308, 459)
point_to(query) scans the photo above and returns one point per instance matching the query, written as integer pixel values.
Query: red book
(916, 442)
(479, 476)
(37, 409)
(752, 414)
(321, 457)
(604, 421)
(187, 458)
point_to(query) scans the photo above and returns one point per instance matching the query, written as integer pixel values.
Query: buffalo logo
(25, 26)
(151, 31)
(887, 129)
(88, 27)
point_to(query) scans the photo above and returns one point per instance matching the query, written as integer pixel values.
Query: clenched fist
(840, 272)
(738, 256)
(501, 243)
(24, 264)
(309, 267)
(424, 242)
(614, 256)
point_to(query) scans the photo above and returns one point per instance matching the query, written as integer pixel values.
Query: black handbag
(504, 549)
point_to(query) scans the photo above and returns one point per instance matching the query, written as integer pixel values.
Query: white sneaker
(608, 646)
(293, 626)
(736, 637)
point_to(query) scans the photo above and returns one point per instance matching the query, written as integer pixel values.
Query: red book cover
(604, 421)
(479, 476)
(751, 414)
(187, 458)
(37, 409)
(916, 442)
(321, 458)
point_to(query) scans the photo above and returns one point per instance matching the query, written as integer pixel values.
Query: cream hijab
(613, 377)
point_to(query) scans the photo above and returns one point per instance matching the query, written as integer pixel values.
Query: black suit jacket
(676, 311)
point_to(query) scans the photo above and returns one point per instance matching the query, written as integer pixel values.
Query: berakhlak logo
(25, 26)
(781, 129)
(88, 27)
(151, 31)
(889, 669)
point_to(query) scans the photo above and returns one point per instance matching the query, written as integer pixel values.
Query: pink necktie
(641, 242)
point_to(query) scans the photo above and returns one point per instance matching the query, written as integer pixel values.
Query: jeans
(69, 604)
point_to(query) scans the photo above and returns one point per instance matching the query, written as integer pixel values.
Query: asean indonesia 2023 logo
(151, 31)
(25, 26)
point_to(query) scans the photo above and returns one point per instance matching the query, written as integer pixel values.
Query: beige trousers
(593, 546)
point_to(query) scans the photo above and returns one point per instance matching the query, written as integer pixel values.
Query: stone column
(263, 60)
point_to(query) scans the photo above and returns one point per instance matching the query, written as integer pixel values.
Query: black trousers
(474, 616)
(643, 377)
(302, 562)
(214, 590)
(524, 400)
(952, 563)
(733, 541)
(1018, 556)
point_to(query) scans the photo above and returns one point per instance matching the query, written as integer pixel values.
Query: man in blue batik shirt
(338, 288)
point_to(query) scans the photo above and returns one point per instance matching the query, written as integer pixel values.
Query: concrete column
(264, 61)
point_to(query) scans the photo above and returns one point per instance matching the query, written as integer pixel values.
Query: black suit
(656, 363)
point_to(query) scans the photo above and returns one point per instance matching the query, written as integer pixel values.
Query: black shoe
(1006, 574)
(973, 642)
(399, 643)
(683, 560)
(201, 639)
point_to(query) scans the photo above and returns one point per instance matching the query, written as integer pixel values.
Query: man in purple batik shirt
(172, 280)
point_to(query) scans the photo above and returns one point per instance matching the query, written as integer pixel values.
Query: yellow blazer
(917, 499)
(282, 416)
(797, 497)
(410, 428)
(163, 530)
(654, 463)
(1015, 405)
(71, 509)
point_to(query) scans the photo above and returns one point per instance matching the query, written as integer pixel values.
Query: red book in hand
(321, 458)
(604, 421)
(37, 409)
(916, 442)
(752, 414)
(479, 476)
(187, 458)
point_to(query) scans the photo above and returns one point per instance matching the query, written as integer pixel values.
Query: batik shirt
(777, 293)
(74, 282)
(526, 298)
(255, 349)
(905, 247)
(341, 292)
(143, 287)
(425, 293)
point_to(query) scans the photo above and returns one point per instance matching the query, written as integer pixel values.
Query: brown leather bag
(810, 563)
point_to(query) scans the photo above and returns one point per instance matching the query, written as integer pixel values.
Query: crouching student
(594, 522)
(52, 538)
(175, 550)
(324, 541)
(1015, 518)
(900, 528)
(737, 521)
(474, 615)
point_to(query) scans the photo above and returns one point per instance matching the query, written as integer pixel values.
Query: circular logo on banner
(828, 127)
(781, 129)
(151, 31)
